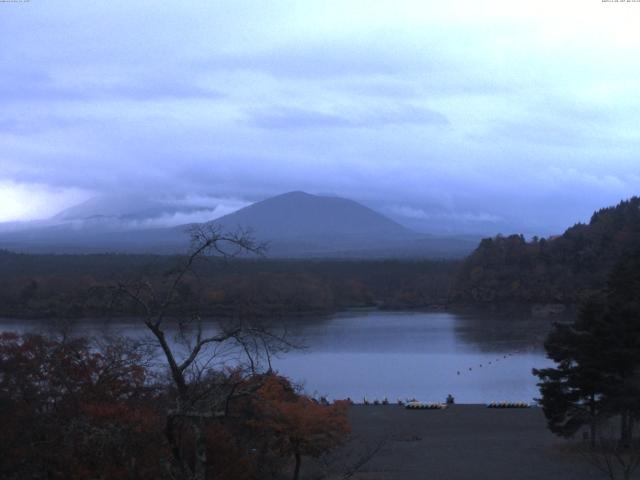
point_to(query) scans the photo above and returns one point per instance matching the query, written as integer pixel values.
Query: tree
(562, 269)
(598, 359)
(623, 355)
(76, 410)
(572, 392)
(200, 395)
(295, 424)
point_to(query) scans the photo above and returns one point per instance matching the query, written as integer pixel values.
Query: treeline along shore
(503, 270)
(78, 285)
(562, 269)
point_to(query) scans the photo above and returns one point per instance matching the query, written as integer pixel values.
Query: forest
(73, 409)
(75, 285)
(63, 395)
(115, 408)
(564, 269)
(561, 269)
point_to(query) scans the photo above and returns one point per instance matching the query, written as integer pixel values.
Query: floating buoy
(425, 406)
(508, 405)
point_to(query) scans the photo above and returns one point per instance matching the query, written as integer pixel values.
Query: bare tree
(202, 393)
(614, 457)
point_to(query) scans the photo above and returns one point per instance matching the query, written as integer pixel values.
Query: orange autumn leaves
(307, 425)
(72, 410)
(301, 426)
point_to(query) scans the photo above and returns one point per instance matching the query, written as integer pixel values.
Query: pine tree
(573, 392)
(623, 315)
(598, 359)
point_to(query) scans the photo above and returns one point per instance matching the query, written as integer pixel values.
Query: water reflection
(475, 357)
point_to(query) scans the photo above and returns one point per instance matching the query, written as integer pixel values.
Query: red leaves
(75, 412)
(70, 410)
(300, 424)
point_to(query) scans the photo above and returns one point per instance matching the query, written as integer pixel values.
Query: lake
(478, 358)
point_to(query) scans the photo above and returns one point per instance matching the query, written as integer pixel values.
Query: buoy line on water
(415, 404)
(504, 357)
(425, 406)
(508, 405)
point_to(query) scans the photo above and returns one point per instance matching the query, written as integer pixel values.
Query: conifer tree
(598, 359)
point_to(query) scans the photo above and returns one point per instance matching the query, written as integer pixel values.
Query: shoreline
(535, 310)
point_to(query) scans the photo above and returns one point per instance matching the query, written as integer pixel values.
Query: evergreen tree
(573, 392)
(623, 315)
(598, 359)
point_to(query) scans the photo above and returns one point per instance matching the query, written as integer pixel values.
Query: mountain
(111, 206)
(560, 269)
(294, 224)
(297, 215)
(126, 212)
(299, 224)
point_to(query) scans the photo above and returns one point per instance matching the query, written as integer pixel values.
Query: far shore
(535, 310)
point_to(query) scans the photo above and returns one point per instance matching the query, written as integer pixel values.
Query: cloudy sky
(470, 115)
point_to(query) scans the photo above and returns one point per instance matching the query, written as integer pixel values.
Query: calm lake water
(477, 358)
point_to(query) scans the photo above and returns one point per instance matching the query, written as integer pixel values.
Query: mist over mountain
(294, 224)
(302, 225)
(301, 215)
(118, 207)
(125, 212)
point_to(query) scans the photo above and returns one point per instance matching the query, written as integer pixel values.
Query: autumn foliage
(296, 425)
(72, 409)
(304, 424)
(68, 411)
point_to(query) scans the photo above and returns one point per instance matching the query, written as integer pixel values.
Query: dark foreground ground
(460, 443)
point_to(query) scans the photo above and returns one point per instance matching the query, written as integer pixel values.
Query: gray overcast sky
(490, 115)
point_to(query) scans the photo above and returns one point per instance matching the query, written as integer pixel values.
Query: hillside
(297, 215)
(560, 269)
(295, 225)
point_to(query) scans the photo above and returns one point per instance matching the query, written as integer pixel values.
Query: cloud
(136, 210)
(34, 201)
(468, 113)
(557, 122)
(39, 85)
(582, 179)
(312, 59)
(466, 217)
(286, 118)
(296, 118)
(197, 215)
(376, 65)
(165, 220)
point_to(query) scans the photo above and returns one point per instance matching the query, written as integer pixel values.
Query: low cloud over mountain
(294, 224)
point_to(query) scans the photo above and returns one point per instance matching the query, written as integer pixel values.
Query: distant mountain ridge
(561, 269)
(302, 215)
(295, 224)
(122, 211)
